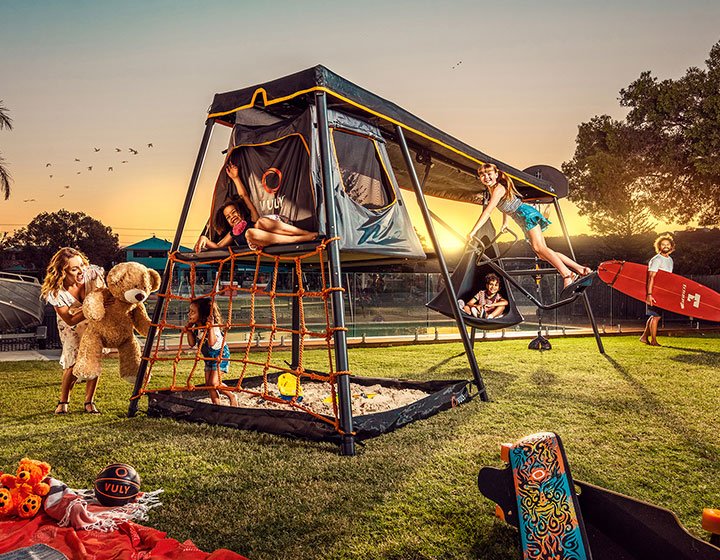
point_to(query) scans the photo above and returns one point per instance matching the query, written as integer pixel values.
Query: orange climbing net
(250, 310)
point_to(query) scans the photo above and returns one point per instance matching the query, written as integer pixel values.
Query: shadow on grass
(440, 364)
(696, 356)
(708, 450)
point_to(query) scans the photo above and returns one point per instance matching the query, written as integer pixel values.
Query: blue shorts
(528, 217)
(211, 365)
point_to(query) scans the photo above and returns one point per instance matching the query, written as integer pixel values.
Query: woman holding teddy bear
(68, 279)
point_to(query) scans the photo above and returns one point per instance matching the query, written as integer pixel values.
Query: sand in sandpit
(365, 399)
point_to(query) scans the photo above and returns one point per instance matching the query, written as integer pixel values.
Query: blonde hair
(661, 238)
(503, 179)
(56, 270)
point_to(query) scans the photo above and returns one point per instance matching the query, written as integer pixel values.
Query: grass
(639, 420)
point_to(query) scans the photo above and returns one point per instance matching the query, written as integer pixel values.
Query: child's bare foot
(654, 343)
(644, 340)
(569, 279)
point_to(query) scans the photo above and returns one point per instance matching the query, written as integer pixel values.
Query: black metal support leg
(586, 301)
(132, 409)
(443, 266)
(340, 336)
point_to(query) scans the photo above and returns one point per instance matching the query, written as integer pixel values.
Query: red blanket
(129, 542)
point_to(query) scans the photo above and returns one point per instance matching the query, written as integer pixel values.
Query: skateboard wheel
(499, 513)
(711, 520)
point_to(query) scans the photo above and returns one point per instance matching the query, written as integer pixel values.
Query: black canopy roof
(452, 176)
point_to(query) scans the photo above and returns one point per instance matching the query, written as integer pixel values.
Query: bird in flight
(78, 173)
(118, 150)
(51, 176)
(29, 200)
(96, 149)
(62, 195)
(67, 186)
(133, 151)
(124, 161)
(110, 168)
(48, 164)
(456, 65)
(76, 159)
(150, 145)
(89, 167)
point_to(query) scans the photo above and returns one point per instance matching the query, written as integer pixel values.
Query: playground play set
(330, 157)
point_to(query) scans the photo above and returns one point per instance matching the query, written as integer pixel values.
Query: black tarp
(453, 176)
(185, 405)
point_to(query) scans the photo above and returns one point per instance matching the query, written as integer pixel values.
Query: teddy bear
(22, 493)
(113, 314)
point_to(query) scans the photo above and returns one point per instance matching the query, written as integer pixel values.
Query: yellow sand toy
(289, 387)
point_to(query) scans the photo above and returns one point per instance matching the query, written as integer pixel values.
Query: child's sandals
(62, 407)
(90, 408)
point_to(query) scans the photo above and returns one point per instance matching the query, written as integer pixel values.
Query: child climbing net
(186, 360)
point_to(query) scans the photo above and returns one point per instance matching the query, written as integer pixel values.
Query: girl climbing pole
(505, 197)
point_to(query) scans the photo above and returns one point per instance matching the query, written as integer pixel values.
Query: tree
(48, 232)
(5, 122)
(661, 160)
(611, 180)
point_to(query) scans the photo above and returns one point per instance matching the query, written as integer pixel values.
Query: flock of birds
(132, 151)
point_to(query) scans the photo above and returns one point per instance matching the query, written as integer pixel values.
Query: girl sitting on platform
(204, 314)
(247, 227)
(506, 198)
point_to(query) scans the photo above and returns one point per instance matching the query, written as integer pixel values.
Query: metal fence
(393, 304)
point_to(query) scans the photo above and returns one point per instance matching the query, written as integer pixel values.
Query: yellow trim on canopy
(351, 102)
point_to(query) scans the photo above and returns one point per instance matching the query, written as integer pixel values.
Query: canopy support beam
(586, 301)
(160, 304)
(441, 261)
(340, 335)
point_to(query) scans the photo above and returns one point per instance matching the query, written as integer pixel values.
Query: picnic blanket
(73, 523)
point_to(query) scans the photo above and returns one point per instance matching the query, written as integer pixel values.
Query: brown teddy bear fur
(129, 284)
(22, 493)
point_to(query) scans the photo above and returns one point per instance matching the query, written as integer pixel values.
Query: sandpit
(316, 396)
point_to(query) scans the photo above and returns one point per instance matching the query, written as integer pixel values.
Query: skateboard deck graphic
(559, 518)
(672, 292)
(541, 500)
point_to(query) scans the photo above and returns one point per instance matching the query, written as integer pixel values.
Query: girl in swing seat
(505, 197)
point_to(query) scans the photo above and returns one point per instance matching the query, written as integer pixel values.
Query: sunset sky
(514, 79)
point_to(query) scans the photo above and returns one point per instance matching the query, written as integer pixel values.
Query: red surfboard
(671, 291)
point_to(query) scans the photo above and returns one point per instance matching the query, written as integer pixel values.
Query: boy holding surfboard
(664, 245)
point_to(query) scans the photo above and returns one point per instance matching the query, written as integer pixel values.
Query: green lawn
(639, 420)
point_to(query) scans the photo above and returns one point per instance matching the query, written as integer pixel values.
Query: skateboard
(535, 492)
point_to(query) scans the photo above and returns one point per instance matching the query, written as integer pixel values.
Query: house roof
(153, 244)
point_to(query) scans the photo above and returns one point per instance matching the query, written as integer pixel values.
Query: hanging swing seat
(469, 278)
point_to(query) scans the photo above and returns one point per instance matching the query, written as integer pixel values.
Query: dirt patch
(316, 397)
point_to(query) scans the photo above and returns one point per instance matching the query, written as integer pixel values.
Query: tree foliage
(660, 161)
(5, 122)
(47, 232)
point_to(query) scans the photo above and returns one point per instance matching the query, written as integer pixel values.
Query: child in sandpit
(204, 314)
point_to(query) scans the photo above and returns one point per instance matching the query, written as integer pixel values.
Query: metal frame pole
(340, 335)
(443, 267)
(132, 409)
(586, 301)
